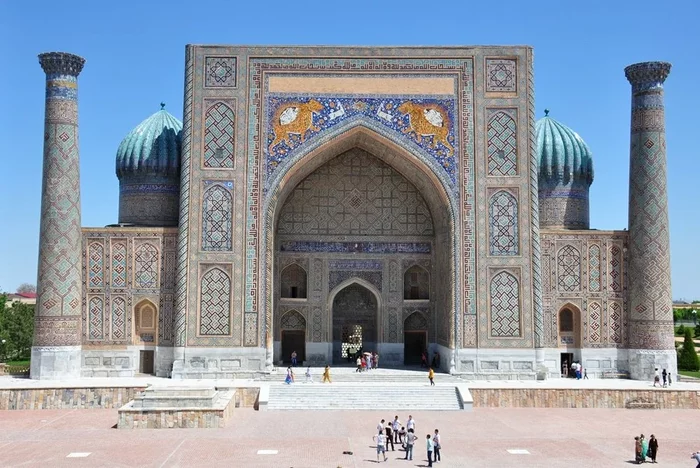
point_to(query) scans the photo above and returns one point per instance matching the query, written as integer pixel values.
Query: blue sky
(135, 60)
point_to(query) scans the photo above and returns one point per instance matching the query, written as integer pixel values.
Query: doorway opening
(566, 360)
(354, 321)
(146, 362)
(293, 340)
(414, 344)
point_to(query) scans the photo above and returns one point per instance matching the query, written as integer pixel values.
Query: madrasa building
(329, 199)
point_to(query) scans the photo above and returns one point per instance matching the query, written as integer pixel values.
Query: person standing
(359, 365)
(431, 376)
(389, 437)
(429, 447)
(410, 440)
(294, 358)
(309, 379)
(411, 424)
(564, 369)
(436, 447)
(664, 375)
(380, 426)
(657, 380)
(638, 450)
(645, 447)
(290, 376)
(669, 379)
(376, 363)
(327, 374)
(653, 448)
(396, 425)
(381, 440)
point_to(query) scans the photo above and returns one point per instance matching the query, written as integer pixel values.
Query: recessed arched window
(416, 283)
(566, 321)
(293, 282)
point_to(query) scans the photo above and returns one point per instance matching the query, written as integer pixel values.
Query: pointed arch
(292, 320)
(569, 326)
(145, 322)
(416, 283)
(416, 321)
(293, 282)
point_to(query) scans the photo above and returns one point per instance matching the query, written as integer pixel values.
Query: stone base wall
(584, 398)
(175, 419)
(95, 398)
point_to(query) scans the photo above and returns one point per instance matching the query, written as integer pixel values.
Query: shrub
(697, 331)
(680, 331)
(688, 358)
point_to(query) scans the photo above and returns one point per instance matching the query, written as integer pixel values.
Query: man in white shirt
(380, 426)
(436, 447)
(381, 440)
(396, 425)
(411, 423)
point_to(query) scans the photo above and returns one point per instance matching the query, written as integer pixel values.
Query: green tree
(680, 331)
(17, 329)
(688, 358)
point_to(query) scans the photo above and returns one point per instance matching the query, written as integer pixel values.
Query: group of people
(390, 433)
(644, 449)
(576, 370)
(435, 364)
(666, 378)
(367, 361)
(290, 379)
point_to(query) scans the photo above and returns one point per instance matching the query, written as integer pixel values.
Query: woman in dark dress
(653, 447)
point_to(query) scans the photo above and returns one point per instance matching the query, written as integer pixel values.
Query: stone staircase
(348, 374)
(395, 396)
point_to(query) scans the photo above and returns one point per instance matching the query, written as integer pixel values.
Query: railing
(18, 371)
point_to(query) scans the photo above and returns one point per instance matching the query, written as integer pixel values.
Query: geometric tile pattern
(503, 222)
(146, 266)
(415, 322)
(96, 318)
(502, 143)
(293, 320)
(96, 265)
(501, 75)
(217, 213)
(59, 292)
(251, 329)
(615, 260)
(595, 318)
(616, 327)
(220, 72)
(219, 137)
(594, 268)
(118, 331)
(215, 303)
(505, 305)
(569, 269)
(119, 264)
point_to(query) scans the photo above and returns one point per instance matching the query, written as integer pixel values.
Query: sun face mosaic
(428, 123)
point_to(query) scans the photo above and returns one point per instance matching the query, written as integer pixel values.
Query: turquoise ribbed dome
(561, 153)
(152, 148)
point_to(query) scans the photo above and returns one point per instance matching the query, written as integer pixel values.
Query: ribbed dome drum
(565, 175)
(148, 168)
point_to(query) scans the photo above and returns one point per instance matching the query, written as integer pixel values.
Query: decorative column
(57, 317)
(651, 342)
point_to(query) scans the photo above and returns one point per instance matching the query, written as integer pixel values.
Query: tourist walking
(431, 376)
(436, 447)
(376, 364)
(381, 440)
(327, 374)
(664, 376)
(410, 441)
(309, 378)
(429, 446)
(657, 380)
(396, 425)
(368, 361)
(696, 456)
(645, 447)
(638, 451)
(290, 376)
(653, 448)
(294, 358)
(669, 379)
(359, 365)
(389, 437)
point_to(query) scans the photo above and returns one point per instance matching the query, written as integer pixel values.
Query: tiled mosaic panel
(146, 266)
(503, 224)
(119, 265)
(428, 123)
(502, 142)
(250, 323)
(118, 331)
(217, 214)
(96, 265)
(393, 330)
(372, 277)
(595, 318)
(616, 325)
(594, 268)
(293, 320)
(317, 325)
(415, 322)
(215, 303)
(569, 269)
(355, 194)
(504, 291)
(615, 268)
(501, 75)
(220, 72)
(96, 318)
(219, 136)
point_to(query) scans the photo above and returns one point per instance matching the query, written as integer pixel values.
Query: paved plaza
(481, 438)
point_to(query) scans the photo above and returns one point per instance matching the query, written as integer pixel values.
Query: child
(309, 379)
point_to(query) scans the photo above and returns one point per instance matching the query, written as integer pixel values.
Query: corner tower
(56, 350)
(650, 312)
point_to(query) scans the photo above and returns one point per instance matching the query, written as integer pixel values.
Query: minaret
(57, 317)
(651, 342)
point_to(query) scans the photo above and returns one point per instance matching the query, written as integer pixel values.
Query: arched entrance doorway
(569, 337)
(145, 334)
(415, 338)
(293, 336)
(354, 312)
